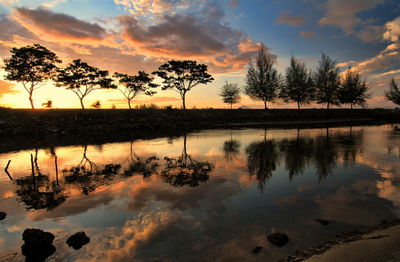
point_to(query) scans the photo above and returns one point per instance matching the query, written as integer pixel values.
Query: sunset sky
(130, 35)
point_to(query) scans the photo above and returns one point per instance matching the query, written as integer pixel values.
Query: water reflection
(185, 170)
(197, 197)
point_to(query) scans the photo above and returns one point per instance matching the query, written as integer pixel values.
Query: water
(208, 196)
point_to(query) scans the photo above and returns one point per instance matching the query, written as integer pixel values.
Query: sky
(126, 36)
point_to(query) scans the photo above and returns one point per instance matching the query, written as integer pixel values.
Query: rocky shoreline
(347, 237)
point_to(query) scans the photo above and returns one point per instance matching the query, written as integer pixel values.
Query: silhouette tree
(185, 170)
(134, 85)
(182, 76)
(262, 80)
(393, 94)
(327, 82)
(31, 66)
(82, 79)
(298, 87)
(230, 93)
(353, 90)
(262, 160)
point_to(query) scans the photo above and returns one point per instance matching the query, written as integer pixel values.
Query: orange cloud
(7, 88)
(294, 21)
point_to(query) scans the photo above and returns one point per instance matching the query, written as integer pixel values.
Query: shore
(377, 243)
(25, 129)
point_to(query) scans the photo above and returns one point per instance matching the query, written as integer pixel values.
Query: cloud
(294, 21)
(7, 88)
(379, 69)
(307, 34)
(342, 13)
(371, 33)
(153, 8)
(56, 27)
(233, 3)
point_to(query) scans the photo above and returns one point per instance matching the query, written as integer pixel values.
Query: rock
(38, 245)
(3, 215)
(323, 222)
(256, 250)
(278, 239)
(78, 240)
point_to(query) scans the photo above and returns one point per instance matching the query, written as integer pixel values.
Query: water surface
(207, 196)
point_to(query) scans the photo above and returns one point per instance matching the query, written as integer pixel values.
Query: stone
(38, 244)
(278, 239)
(323, 222)
(3, 215)
(78, 240)
(256, 250)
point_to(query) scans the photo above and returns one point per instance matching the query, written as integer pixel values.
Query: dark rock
(323, 222)
(278, 239)
(78, 240)
(3, 215)
(256, 250)
(38, 245)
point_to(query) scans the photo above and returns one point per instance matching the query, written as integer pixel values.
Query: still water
(207, 196)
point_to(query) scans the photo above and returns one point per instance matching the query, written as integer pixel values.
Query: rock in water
(278, 239)
(3, 215)
(323, 222)
(38, 245)
(78, 240)
(256, 250)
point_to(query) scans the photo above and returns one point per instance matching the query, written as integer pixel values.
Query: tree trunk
(82, 105)
(327, 105)
(265, 104)
(351, 105)
(184, 101)
(31, 100)
(129, 104)
(231, 106)
(298, 105)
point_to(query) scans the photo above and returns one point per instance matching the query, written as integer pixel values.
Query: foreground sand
(379, 245)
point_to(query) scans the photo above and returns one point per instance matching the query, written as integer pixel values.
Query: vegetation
(182, 76)
(82, 79)
(393, 94)
(298, 87)
(353, 90)
(230, 93)
(327, 82)
(31, 66)
(262, 80)
(135, 85)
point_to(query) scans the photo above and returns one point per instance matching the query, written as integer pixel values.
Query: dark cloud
(294, 21)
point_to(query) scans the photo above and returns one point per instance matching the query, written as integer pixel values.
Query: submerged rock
(3, 215)
(323, 222)
(256, 250)
(78, 240)
(38, 244)
(278, 239)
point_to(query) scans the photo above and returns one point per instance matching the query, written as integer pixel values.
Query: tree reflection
(144, 167)
(185, 170)
(349, 144)
(231, 149)
(325, 155)
(37, 191)
(297, 154)
(87, 176)
(262, 160)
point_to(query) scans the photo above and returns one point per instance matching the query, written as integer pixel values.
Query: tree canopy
(182, 76)
(230, 93)
(31, 65)
(135, 85)
(393, 94)
(298, 86)
(262, 80)
(327, 82)
(353, 90)
(82, 79)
